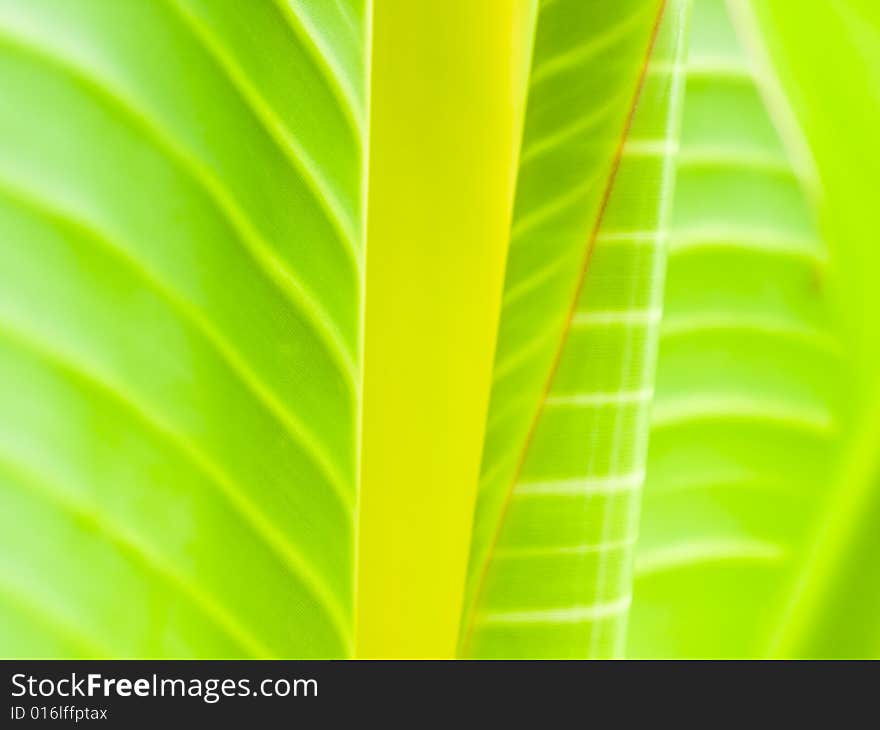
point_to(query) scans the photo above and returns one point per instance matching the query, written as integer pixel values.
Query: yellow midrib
(447, 96)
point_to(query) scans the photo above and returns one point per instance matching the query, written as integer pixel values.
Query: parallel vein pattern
(181, 248)
(744, 421)
(564, 455)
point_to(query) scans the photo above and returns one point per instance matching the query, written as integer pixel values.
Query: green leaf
(564, 453)
(214, 443)
(746, 419)
(827, 56)
(181, 245)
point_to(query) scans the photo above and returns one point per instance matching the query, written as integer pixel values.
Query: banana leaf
(563, 462)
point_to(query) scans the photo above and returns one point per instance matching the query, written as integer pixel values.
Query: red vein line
(585, 265)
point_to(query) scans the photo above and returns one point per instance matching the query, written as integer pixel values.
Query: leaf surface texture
(179, 326)
(745, 423)
(564, 454)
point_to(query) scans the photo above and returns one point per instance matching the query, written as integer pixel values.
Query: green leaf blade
(181, 331)
(562, 463)
(746, 422)
(836, 107)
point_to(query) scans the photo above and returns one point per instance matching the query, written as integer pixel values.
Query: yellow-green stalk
(448, 91)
